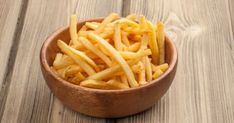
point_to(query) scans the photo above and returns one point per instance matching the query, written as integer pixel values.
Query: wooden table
(202, 91)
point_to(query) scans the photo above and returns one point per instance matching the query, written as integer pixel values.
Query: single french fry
(91, 25)
(83, 56)
(115, 84)
(143, 23)
(95, 50)
(86, 67)
(141, 74)
(148, 69)
(131, 17)
(133, 55)
(162, 67)
(144, 41)
(124, 80)
(126, 21)
(94, 84)
(134, 47)
(72, 69)
(161, 42)
(107, 20)
(157, 73)
(125, 38)
(62, 61)
(73, 29)
(117, 57)
(83, 28)
(110, 71)
(117, 38)
(153, 44)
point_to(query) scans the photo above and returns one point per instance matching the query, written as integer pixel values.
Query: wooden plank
(202, 91)
(8, 22)
(29, 99)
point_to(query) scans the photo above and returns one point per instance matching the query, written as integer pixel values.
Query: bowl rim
(47, 68)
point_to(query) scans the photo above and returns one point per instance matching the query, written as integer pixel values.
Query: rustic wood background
(203, 89)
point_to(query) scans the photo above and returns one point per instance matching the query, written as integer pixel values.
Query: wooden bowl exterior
(104, 103)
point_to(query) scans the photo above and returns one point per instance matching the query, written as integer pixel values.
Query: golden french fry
(117, 57)
(107, 20)
(114, 84)
(157, 73)
(72, 69)
(144, 41)
(141, 74)
(126, 21)
(161, 41)
(148, 69)
(134, 47)
(86, 67)
(91, 25)
(133, 55)
(96, 51)
(131, 17)
(162, 67)
(125, 39)
(153, 43)
(143, 23)
(124, 80)
(62, 61)
(83, 28)
(83, 56)
(117, 38)
(94, 84)
(73, 29)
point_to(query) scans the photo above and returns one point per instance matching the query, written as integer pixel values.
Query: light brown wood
(203, 88)
(202, 92)
(8, 25)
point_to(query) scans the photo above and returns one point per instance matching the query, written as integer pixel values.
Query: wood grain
(29, 99)
(202, 91)
(8, 25)
(203, 31)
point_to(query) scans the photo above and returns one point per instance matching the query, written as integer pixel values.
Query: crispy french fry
(115, 84)
(153, 44)
(134, 47)
(126, 21)
(92, 25)
(110, 71)
(143, 23)
(125, 39)
(96, 51)
(117, 38)
(117, 57)
(144, 41)
(162, 67)
(148, 69)
(86, 67)
(62, 61)
(133, 55)
(157, 73)
(73, 29)
(160, 38)
(141, 74)
(124, 79)
(107, 20)
(94, 84)
(83, 28)
(131, 17)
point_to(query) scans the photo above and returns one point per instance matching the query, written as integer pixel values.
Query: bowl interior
(51, 48)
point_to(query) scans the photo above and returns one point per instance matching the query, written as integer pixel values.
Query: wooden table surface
(202, 91)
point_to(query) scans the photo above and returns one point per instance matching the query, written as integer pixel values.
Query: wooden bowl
(104, 103)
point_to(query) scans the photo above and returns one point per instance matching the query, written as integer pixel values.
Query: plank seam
(11, 60)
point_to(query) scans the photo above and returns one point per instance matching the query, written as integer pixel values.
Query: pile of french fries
(117, 53)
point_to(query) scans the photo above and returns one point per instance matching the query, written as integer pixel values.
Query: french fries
(117, 53)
